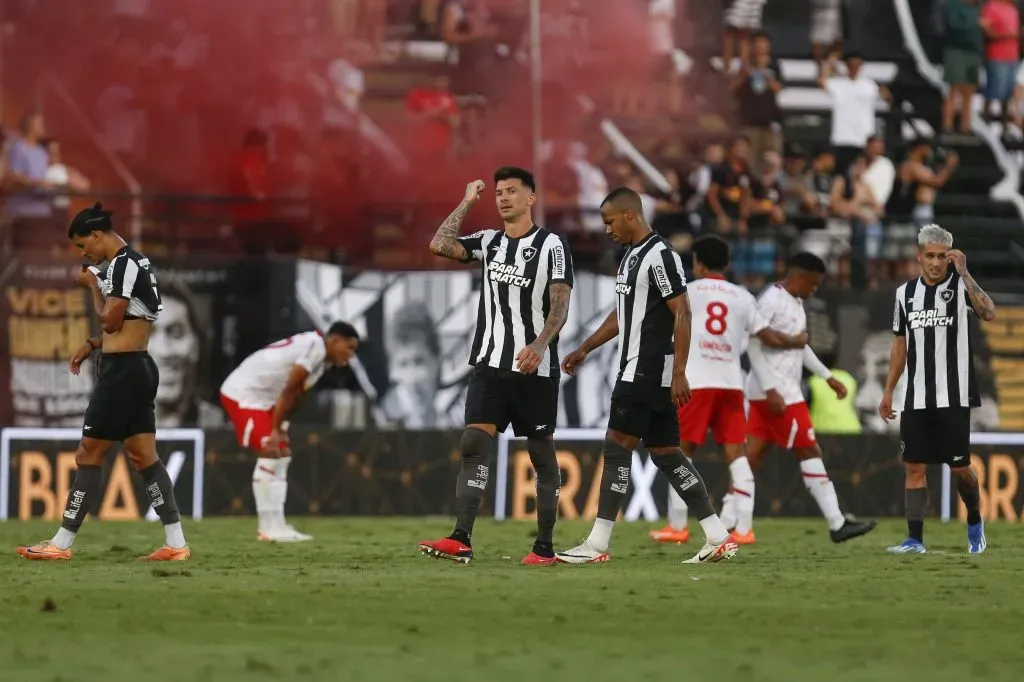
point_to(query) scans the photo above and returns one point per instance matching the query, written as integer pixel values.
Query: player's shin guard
(262, 477)
(820, 486)
(916, 500)
(685, 480)
(970, 493)
(477, 451)
(549, 481)
(743, 494)
(83, 494)
(618, 461)
(161, 494)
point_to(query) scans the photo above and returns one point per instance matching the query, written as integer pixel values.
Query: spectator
(1000, 20)
(250, 182)
(469, 37)
(663, 43)
(742, 19)
(756, 87)
(814, 193)
(961, 61)
(671, 216)
(699, 183)
(28, 209)
(854, 98)
(729, 193)
(63, 178)
(879, 172)
(435, 117)
(854, 199)
(755, 253)
(918, 183)
(826, 30)
(647, 202)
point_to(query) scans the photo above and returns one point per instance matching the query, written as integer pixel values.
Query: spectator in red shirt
(436, 117)
(250, 182)
(1000, 20)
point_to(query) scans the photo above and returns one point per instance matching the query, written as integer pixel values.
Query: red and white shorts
(791, 429)
(718, 409)
(252, 426)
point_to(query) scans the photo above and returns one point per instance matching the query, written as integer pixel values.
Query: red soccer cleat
(447, 548)
(534, 559)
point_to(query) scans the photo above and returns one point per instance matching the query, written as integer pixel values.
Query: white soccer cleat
(583, 554)
(711, 553)
(284, 533)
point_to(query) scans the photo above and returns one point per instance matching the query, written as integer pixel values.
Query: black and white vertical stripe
(514, 296)
(940, 365)
(130, 276)
(650, 273)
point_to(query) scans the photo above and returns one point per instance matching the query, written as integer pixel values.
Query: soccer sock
(820, 486)
(614, 484)
(685, 480)
(549, 481)
(677, 510)
(262, 476)
(743, 494)
(971, 495)
(477, 449)
(728, 514)
(279, 489)
(916, 501)
(84, 491)
(161, 495)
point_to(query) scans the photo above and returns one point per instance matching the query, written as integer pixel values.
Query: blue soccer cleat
(908, 546)
(976, 542)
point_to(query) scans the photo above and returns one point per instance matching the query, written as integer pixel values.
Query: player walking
(653, 316)
(724, 317)
(778, 412)
(127, 301)
(259, 395)
(524, 300)
(933, 345)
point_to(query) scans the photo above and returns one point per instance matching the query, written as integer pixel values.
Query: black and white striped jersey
(514, 300)
(649, 275)
(130, 276)
(936, 321)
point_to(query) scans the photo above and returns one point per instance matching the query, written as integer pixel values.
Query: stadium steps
(1005, 338)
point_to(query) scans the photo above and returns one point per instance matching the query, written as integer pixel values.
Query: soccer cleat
(743, 538)
(711, 553)
(447, 548)
(908, 546)
(534, 559)
(168, 553)
(44, 551)
(852, 529)
(976, 542)
(670, 534)
(583, 554)
(284, 534)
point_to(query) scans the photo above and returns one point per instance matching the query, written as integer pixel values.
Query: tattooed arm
(444, 243)
(529, 358)
(980, 301)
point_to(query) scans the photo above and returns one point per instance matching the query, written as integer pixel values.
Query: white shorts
(745, 15)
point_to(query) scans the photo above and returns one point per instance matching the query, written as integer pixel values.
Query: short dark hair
(805, 260)
(853, 54)
(624, 197)
(739, 138)
(515, 173)
(89, 220)
(344, 330)
(712, 251)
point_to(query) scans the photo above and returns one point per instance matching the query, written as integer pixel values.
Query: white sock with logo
(63, 539)
(742, 494)
(262, 476)
(678, 512)
(817, 481)
(728, 514)
(279, 489)
(601, 534)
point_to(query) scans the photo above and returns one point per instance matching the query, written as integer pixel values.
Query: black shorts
(121, 405)
(647, 413)
(936, 436)
(527, 401)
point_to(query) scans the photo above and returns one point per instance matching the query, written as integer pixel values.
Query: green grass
(361, 604)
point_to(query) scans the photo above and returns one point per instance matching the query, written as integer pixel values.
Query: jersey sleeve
(560, 263)
(312, 355)
(667, 274)
(962, 293)
(756, 321)
(769, 304)
(123, 277)
(475, 243)
(899, 316)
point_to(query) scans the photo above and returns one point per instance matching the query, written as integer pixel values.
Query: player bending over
(259, 395)
(121, 409)
(523, 304)
(933, 344)
(724, 317)
(653, 316)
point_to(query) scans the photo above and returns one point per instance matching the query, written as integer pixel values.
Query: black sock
(614, 480)
(683, 477)
(970, 493)
(916, 501)
(477, 448)
(549, 481)
(82, 497)
(161, 492)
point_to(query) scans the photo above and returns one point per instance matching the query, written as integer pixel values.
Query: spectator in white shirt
(854, 99)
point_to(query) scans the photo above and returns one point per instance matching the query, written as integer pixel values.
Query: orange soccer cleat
(534, 559)
(670, 534)
(168, 553)
(743, 538)
(44, 551)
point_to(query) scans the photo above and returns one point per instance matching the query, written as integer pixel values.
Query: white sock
(279, 489)
(601, 534)
(728, 514)
(677, 510)
(262, 476)
(64, 538)
(742, 494)
(817, 481)
(714, 530)
(175, 535)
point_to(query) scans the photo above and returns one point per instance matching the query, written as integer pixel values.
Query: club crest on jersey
(946, 295)
(529, 252)
(631, 263)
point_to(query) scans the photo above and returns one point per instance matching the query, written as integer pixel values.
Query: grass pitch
(360, 603)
